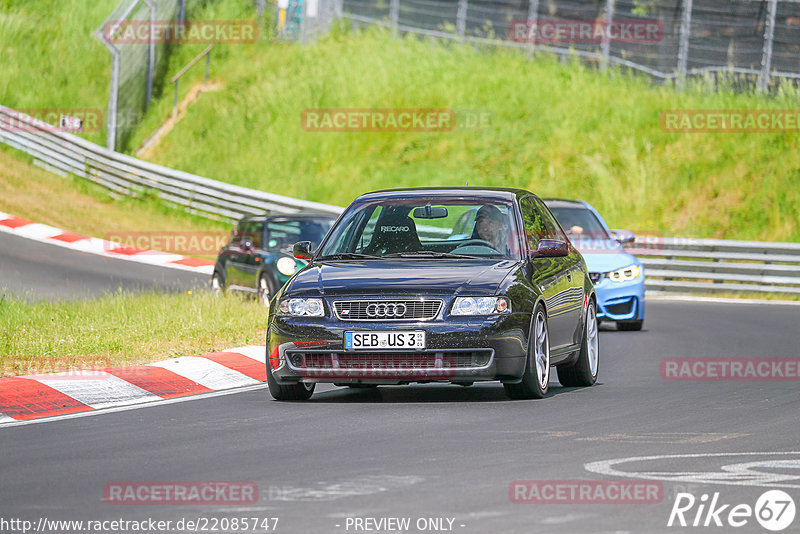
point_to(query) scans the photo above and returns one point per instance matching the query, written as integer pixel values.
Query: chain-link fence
(757, 40)
(305, 20)
(136, 66)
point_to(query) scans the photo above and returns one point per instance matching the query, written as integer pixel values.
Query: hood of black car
(390, 276)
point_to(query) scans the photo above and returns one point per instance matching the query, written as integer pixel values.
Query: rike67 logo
(774, 510)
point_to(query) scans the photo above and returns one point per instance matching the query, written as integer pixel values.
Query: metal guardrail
(716, 265)
(671, 264)
(126, 175)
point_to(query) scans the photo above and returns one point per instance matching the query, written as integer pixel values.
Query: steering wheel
(478, 242)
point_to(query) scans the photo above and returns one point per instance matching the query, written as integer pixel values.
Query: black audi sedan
(258, 256)
(399, 292)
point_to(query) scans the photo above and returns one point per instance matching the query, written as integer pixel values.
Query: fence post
(531, 25)
(182, 12)
(769, 39)
(394, 16)
(113, 99)
(683, 46)
(151, 52)
(461, 18)
(606, 45)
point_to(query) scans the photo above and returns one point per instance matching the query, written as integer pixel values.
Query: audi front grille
(387, 310)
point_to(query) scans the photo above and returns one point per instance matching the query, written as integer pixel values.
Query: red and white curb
(93, 245)
(25, 398)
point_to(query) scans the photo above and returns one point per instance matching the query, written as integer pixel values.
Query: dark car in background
(399, 292)
(258, 258)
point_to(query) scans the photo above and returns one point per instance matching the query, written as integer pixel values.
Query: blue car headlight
(301, 307)
(626, 274)
(480, 306)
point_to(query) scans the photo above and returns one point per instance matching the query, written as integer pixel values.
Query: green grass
(557, 129)
(122, 329)
(50, 57)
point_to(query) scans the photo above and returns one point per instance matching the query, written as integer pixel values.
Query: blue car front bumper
(620, 301)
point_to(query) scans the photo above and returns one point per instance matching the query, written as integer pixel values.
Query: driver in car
(491, 226)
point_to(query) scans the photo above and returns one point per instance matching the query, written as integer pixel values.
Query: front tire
(536, 377)
(299, 391)
(217, 283)
(584, 371)
(265, 291)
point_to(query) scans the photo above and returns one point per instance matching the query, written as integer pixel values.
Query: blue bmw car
(618, 277)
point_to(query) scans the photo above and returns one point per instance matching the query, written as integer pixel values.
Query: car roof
(287, 217)
(564, 203)
(491, 193)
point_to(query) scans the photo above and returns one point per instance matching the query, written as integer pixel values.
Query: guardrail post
(605, 47)
(394, 16)
(683, 46)
(461, 18)
(769, 39)
(531, 25)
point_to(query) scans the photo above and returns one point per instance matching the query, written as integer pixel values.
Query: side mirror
(551, 248)
(247, 244)
(302, 250)
(624, 237)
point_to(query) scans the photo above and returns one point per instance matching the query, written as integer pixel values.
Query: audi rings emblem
(390, 309)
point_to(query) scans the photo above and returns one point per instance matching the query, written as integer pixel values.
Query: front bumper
(459, 350)
(620, 301)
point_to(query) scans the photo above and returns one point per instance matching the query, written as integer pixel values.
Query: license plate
(384, 340)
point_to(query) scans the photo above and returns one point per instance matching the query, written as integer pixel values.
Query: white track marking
(728, 475)
(92, 245)
(38, 231)
(206, 372)
(255, 352)
(133, 407)
(720, 300)
(97, 389)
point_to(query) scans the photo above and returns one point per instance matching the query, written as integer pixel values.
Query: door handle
(569, 277)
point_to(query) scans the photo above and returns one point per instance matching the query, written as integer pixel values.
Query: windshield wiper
(427, 254)
(348, 256)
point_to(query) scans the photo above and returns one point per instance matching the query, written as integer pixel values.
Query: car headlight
(480, 306)
(301, 307)
(286, 266)
(625, 274)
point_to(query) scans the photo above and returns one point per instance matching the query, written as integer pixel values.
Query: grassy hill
(556, 129)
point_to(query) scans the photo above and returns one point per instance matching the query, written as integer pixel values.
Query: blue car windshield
(580, 223)
(438, 228)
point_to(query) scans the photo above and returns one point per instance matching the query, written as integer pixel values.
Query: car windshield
(285, 233)
(579, 223)
(435, 228)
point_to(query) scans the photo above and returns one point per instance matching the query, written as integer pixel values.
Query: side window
(236, 234)
(253, 231)
(535, 226)
(554, 230)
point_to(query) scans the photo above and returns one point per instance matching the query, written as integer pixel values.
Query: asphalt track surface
(435, 451)
(40, 271)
